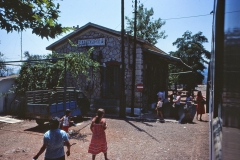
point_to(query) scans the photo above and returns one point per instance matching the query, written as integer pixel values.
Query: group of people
(57, 137)
(175, 101)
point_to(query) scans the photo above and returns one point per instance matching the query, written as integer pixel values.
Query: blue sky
(108, 14)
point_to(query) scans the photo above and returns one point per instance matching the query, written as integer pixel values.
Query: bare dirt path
(127, 140)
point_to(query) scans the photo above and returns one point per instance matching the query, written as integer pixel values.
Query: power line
(233, 11)
(196, 16)
(130, 13)
(188, 17)
(182, 17)
(34, 42)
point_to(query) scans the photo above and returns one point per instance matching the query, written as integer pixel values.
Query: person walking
(177, 104)
(98, 142)
(200, 105)
(53, 142)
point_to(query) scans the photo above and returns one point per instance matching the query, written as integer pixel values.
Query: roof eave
(85, 27)
(170, 59)
(72, 34)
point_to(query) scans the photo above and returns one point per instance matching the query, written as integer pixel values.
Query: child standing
(66, 120)
(174, 96)
(98, 142)
(159, 108)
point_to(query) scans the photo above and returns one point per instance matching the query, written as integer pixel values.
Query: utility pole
(21, 45)
(65, 84)
(134, 60)
(122, 96)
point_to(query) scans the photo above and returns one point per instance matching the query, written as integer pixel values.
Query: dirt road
(127, 140)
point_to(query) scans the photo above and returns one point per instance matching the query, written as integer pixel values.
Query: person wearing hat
(53, 142)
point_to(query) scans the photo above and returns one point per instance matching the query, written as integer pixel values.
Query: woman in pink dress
(200, 105)
(98, 142)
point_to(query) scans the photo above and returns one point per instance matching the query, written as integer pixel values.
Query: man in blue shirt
(53, 142)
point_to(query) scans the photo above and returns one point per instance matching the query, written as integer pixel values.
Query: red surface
(140, 87)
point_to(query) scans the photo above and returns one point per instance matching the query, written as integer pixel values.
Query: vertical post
(122, 96)
(65, 84)
(21, 45)
(134, 60)
(141, 105)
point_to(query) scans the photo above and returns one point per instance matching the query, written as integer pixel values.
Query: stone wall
(110, 52)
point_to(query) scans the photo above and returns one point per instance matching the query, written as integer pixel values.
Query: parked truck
(42, 105)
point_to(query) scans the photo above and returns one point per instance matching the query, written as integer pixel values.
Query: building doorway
(111, 81)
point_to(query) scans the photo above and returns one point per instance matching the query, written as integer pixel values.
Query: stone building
(151, 65)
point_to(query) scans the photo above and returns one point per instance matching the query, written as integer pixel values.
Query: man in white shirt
(159, 109)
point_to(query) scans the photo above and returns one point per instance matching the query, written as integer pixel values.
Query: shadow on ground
(45, 127)
(142, 130)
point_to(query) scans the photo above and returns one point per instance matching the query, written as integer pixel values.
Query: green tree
(40, 15)
(48, 74)
(147, 28)
(192, 52)
(2, 65)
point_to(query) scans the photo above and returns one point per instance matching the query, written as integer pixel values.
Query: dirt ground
(127, 140)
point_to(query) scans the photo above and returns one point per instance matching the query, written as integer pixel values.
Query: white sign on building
(91, 42)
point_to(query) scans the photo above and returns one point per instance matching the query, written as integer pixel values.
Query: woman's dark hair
(54, 123)
(188, 93)
(67, 111)
(199, 93)
(99, 116)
